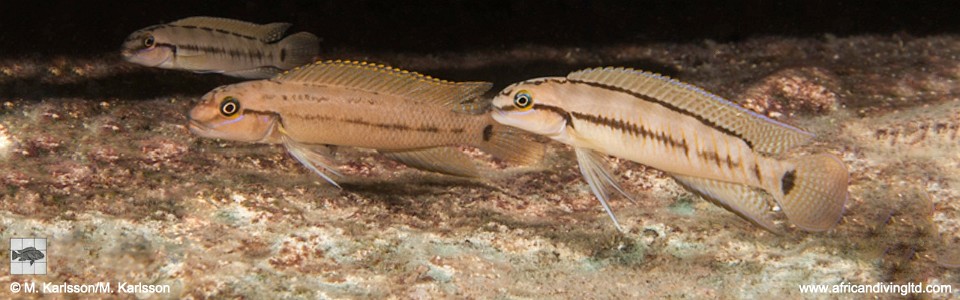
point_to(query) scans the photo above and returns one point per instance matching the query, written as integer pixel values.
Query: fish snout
(196, 127)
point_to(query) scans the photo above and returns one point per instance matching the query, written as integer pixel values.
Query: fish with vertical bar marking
(407, 116)
(709, 145)
(218, 45)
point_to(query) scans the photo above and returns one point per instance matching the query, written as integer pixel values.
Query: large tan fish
(407, 116)
(709, 145)
(218, 45)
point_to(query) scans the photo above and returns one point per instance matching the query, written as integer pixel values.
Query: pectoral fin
(510, 144)
(746, 202)
(599, 179)
(444, 160)
(312, 156)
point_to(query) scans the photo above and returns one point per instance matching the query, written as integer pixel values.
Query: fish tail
(15, 254)
(298, 49)
(812, 191)
(510, 144)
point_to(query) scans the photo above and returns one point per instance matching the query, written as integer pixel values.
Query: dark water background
(94, 27)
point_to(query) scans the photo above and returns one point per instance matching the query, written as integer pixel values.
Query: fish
(218, 45)
(29, 253)
(709, 145)
(407, 116)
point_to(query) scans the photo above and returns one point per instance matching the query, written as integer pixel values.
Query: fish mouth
(136, 56)
(197, 128)
(498, 112)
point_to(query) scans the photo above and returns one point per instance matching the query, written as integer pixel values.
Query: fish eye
(523, 100)
(229, 106)
(149, 42)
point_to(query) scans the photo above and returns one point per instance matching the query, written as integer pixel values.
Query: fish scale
(704, 141)
(218, 45)
(710, 145)
(342, 121)
(409, 117)
(229, 47)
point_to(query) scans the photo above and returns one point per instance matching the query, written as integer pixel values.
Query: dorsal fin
(764, 134)
(267, 33)
(385, 80)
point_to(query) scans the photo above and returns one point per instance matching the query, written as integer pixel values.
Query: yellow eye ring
(149, 41)
(229, 106)
(523, 100)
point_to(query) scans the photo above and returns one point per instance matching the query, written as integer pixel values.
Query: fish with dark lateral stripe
(409, 117)
(217, 45)
(709, 145)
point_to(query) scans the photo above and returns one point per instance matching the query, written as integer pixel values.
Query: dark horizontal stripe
(715, 158)
(638, 130)
(233, 53)
(387, 126)
(309, 97)
(554, 109)
(633, 129)
(393, 126)
(259, 112)
(668, 106)
(209, 29)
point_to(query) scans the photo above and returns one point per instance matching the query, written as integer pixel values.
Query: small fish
(28, 253)
(709, 145)
(409, 117)
(218, 45)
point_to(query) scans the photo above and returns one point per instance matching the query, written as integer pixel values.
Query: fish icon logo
(29, 253)
(28, 256)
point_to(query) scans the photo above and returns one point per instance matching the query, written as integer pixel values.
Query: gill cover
(145, 48)
(530, 107)
(221, 114)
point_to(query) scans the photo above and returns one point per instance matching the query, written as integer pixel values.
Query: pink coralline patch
(159, 151)
(786, 92)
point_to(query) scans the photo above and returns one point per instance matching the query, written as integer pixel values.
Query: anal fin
(743, 200)
(444, 160)
(312, 157)
(599, 179)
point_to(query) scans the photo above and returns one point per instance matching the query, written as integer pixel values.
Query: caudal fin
(298, 49)
(813, 193)
(15, 254)
(510, 144)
